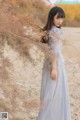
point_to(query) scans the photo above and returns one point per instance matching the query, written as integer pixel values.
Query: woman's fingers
(54, 74)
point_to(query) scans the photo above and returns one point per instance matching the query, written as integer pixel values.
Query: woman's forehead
(58, 16)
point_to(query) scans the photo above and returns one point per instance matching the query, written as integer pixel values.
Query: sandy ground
(20, 79)
(71, 54)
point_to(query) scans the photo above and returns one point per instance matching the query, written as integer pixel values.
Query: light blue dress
(54, 94)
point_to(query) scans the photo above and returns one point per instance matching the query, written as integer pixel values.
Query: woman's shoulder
(56, 30)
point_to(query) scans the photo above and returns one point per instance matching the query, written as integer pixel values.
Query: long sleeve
(54, 43)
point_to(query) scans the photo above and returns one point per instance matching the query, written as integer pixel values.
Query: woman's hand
(54, 69)
(54, 74)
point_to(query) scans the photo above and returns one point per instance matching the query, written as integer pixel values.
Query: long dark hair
(52, 13)
(50, 21)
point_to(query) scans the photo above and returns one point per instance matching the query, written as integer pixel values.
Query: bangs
(61, 14)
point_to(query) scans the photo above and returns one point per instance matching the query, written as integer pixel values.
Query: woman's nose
(60, 21)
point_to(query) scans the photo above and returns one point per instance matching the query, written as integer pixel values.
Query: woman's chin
(58, 25)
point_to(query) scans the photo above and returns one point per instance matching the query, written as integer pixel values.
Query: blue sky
(64, 1)
(71, 0)
(67, 1)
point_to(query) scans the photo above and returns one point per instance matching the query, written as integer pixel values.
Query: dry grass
(19, 24)
(20, 21)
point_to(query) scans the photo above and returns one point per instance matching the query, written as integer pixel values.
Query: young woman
(54, 96)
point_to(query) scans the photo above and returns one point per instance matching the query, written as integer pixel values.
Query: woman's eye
(57, 18)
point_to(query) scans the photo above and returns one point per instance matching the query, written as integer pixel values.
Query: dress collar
(57, 30)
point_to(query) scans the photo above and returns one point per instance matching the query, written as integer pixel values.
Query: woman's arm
(54, 63)
(54, 69)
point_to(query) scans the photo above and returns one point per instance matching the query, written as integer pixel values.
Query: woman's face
(58, 21)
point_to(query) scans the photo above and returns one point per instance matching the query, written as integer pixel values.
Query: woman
(54, 96)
